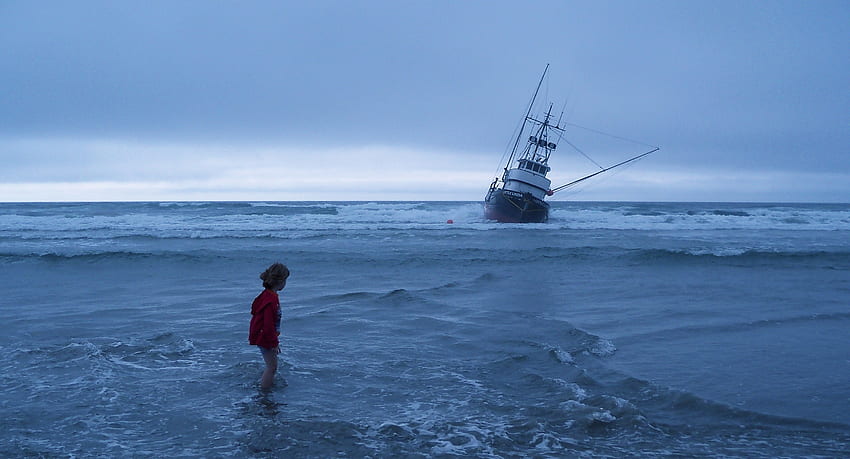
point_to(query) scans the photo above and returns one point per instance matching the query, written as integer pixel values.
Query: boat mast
(525, 120)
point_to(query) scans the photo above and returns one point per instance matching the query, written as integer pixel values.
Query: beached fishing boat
(519, 195)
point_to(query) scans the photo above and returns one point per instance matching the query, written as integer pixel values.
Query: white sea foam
(602, 416)
(217, 219)
(602, 348)
(700, 216)
(574, 391)
(563, 356)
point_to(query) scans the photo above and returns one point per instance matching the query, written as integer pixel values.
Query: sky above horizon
(418, 100)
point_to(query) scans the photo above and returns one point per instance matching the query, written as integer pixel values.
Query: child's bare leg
(270, 357)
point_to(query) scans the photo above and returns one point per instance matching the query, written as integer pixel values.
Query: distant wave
(138, 247)
(220, 217)
(840, 256)
(746, 326)
(99, 256)
(730, 213)
(676, 216)
(256, 208)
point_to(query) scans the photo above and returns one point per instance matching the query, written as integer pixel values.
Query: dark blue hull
(513, 207)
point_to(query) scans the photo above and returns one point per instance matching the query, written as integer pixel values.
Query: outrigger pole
(555, 190)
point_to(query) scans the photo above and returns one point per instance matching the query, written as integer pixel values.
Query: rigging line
(573, 191)
(555, 190)
(563, 109)
(582, 153)
(609, 135)
(551, 126)
(527, 113)
(587, 185)
(507, 148)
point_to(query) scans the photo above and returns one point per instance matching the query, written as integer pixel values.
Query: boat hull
(512, 207)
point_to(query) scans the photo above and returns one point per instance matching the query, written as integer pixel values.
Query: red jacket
(265, 320)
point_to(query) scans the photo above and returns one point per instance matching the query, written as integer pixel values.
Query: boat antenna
(563, 109)
(527, 114)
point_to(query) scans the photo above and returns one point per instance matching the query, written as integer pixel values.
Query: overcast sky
(417, 100)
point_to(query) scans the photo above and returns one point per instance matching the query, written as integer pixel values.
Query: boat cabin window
(532, 166)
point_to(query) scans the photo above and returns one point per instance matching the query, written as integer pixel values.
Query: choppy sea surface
(614, 330)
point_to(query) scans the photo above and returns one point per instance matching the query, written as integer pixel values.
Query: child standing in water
(265, 320)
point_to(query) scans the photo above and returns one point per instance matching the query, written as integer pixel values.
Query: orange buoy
(450, 221)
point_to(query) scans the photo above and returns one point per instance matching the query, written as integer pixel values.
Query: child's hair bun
(274, 275)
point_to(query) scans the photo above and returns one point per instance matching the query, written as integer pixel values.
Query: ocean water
(614, 330)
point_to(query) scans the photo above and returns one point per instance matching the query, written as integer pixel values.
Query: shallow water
(616, 329)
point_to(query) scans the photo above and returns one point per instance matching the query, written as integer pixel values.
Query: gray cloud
(736, 85)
